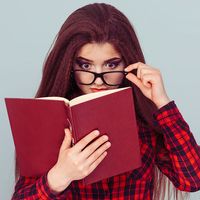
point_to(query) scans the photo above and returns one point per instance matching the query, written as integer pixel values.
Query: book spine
(74, 133)
(72, 126)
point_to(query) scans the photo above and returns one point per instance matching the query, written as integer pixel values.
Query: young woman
(94, 48)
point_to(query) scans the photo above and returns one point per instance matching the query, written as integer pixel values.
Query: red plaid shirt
(178, 159)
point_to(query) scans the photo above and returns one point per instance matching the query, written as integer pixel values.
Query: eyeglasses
(112, 78)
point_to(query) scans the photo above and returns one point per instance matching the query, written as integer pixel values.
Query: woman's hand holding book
(78, 161)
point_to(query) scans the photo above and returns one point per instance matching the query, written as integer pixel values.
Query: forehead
(98, 51)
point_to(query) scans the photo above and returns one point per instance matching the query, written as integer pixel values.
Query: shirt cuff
(167, 114)
(46, 193)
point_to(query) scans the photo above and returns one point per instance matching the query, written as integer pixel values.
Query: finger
(138, 69)
(98, 153)
(147, 70)
(133, 66)
(93, 146)
(97, 162)
(144, 69)
(79, 146)
(67, 140)
(146, 80)
(146, 76)
(150, 78)
(131, 77)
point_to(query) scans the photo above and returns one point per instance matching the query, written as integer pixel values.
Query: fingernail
(66, 130)
(105, 137)
(108, 144)
(126, 69)
(96, 132)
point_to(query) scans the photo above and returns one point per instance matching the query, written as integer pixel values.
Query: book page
(55, 98)
(87, 97)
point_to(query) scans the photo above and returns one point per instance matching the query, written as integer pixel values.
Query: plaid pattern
(178, 158)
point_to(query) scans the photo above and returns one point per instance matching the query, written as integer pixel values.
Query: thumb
(131, 77)
(67, 140)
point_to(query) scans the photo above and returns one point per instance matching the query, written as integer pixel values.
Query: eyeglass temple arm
(134, 71)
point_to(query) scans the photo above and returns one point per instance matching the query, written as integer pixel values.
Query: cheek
(113, 87)
(84, 89)
(77, 79)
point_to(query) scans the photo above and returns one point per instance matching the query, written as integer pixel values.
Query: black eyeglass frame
(96, 75)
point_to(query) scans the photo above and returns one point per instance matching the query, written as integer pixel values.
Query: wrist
(55, 182)
(163, 102)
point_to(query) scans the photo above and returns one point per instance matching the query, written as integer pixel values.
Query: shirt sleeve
(28, 188)
(179, 156)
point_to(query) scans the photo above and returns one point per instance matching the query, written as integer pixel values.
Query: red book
(38, 130)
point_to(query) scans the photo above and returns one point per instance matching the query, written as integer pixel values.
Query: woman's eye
(112, 65)
(85, 66)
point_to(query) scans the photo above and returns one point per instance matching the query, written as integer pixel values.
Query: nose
(98, 81)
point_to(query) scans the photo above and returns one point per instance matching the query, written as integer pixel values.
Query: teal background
(169, 33)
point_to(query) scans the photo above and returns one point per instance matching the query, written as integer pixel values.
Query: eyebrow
(106, 61)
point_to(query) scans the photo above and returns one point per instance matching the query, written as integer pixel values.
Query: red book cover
(38, 131)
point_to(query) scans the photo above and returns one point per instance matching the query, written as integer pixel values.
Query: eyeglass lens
(113, 78)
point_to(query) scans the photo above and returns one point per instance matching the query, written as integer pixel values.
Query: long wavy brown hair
(99, 23)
